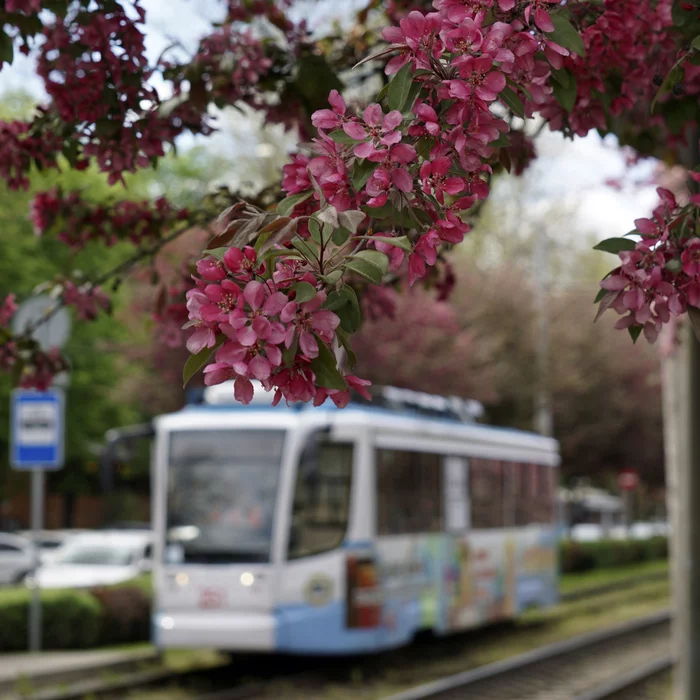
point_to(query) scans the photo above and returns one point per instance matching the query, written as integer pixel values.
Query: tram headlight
(167, 623)
(182, 579)
(247, 579)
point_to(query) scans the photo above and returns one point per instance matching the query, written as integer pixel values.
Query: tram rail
(561, 671)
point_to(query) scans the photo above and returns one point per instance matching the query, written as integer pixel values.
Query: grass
(575, 583)
(393, 672)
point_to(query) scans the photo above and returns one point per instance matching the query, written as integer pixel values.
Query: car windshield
(97, 554)
(222, 486)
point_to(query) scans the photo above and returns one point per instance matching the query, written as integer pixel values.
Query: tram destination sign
(36, 429)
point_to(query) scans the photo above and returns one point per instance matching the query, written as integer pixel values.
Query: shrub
(77, 619)
(575, 557)
(70, 619)
(125, 614)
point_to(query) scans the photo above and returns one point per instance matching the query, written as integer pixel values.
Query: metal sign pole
(37, 525)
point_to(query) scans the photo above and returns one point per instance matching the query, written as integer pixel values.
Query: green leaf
(344, 338)
(314, 230)
(695, 43)
(366, 269)
(416, 87)
(328, 215)
(339, 136)
(304, 248)
(501, 142)
(615, 245)
(601, 293)
(361, 172)
(674, 265)
(399, 87)
(424, 145)
(283, 227)
(673, 76)
(376, 257)
(218, 253)
(351, 219)
(566, 35)
(314, 79)
(344, 303)
(512, 101)
(304, 292)
(379, 212)
(286, 206)
(340, 236)
(332, 277)
(288, 354)
(7, 50)
(634, 332)
(196, 362)
(565, 88)
(326, 369)
(400, 242)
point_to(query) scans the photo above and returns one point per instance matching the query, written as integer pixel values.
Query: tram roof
(401, 419)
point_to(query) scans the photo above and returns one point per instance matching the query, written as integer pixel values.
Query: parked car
(97, 559)
(48, 541)
(16, 557)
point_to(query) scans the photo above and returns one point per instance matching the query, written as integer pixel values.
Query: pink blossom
(306, 319)
(434, 179)
(211, 269)
(381, 130)
(330, 119)
(690, 258)
(7, 310)
(241, 263)
(254, 324)
(202, 337)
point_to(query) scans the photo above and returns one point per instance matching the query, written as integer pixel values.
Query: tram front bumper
(215, 629)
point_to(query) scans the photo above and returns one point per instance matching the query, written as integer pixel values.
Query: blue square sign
(36, 429)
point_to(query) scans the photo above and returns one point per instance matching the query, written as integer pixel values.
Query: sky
(575, 171)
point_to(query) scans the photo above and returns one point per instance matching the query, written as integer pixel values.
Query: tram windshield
(222, 486)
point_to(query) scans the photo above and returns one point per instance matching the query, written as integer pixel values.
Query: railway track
(642, 683)
(569, 670)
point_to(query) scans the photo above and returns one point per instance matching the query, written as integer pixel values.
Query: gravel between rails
(560, 671)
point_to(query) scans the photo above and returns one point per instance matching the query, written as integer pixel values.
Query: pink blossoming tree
(377, 193)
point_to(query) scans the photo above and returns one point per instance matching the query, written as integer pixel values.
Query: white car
(48, 541)
(16, 558)
(97, 559)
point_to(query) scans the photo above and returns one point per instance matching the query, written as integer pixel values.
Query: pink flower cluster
(20, 146)
(660, 277)
(261, 332)
(26, 7)
(630, 38)
(81, 221)
(7, 310)
(87, 299)
(39, 370)
(462, 64)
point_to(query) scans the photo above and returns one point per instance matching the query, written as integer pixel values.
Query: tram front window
(222, 487)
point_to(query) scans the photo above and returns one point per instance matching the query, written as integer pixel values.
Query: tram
(315, 530)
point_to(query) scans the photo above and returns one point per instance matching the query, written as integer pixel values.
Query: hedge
(70, 619)
(575, 557)
(76, 619)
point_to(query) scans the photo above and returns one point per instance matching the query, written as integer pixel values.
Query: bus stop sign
(36, 429)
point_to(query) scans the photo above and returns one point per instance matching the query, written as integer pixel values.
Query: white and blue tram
(325, 531)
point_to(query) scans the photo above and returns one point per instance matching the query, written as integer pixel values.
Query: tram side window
(534, 493)
(321, 501)
(486, 488)
(409, 492)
